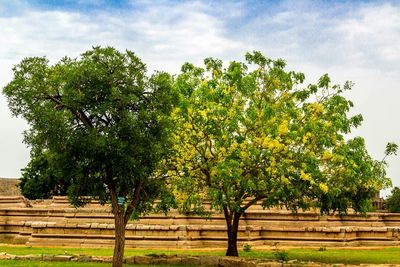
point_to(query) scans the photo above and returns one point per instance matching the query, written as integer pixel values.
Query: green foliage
(247, 247)
(281, 255)
(368, 177)
(97, 124)
(243, 136)
(41, 179)
(393, 201)
(99, 128)
(391, 149)
(252, 132)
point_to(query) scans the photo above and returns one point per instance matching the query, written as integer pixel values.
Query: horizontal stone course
(55, 222)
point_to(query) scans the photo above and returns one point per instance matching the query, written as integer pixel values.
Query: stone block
(230, 262)
(190, 261)
(33, 257)
(129, 260)
(62, 258)
(144, 260)
(174, 261)
(84, 225)
(94, 225)
(83, 258)
(270, 264)
(248, 263)
(102, 226)
(159, 260)
(101, 259)
(209, 260)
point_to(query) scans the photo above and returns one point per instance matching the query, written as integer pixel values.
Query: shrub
(281, 255)
(247, 247)
(393, 201)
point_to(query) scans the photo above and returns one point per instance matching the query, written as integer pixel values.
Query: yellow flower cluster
(327, 155)
(283, 128)
(284, 180)
(244, 154)
(203, 113)
(305, 176)
(324, 188)
(273, 144)
(306, 137)
(316, 107)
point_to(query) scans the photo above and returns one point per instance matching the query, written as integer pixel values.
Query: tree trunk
(121, 218)
(232, 223)
(119, 244)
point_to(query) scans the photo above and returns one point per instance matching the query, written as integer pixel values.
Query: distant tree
(42, 179)
(98, 125)
(393, 201)
(246, 136)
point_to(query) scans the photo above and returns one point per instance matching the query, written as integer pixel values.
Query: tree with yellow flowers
(251, 133)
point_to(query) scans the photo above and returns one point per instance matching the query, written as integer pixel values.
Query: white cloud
(374, 33)
(164, 36)
(330, 34)
(351, 41)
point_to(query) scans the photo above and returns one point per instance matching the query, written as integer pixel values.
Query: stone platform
(55, 222)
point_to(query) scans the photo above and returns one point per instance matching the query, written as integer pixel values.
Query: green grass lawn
(334, 255)
(27, 250)
(330, 255)
(22, 263)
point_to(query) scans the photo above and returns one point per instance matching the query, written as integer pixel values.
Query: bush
(393, 201)
(281, 255)
(247, 247)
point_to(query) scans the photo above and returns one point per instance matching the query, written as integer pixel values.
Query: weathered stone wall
(9, 187)
(54, 222)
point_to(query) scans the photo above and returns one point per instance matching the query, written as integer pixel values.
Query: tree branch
(79, 114)
(134, 202)
(252, 202)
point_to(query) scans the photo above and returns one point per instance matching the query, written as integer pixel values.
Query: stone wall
(54, 222)
(9, 187)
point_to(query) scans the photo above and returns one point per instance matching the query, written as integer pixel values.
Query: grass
(23, 263)
(330, 255)
(27, 250)
(335, 255)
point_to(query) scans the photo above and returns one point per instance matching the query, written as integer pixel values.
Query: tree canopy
(252, 132)
(41, 179)
(98, 123)
(393, 201)
(248, 133)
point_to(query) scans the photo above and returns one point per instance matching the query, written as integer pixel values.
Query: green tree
(100, 123)
(244, 137)
(393, 201)
(41, 179)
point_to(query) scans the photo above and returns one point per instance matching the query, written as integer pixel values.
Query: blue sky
(350, 40)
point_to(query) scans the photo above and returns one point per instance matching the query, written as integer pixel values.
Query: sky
(349, 40)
